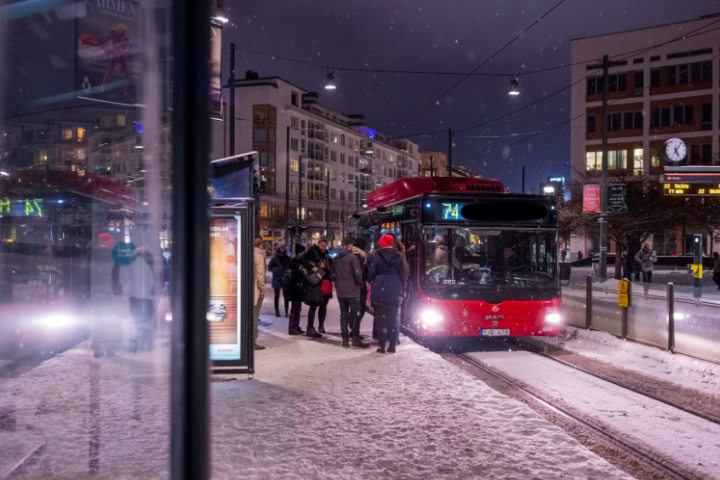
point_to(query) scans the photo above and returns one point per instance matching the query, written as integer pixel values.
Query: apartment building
(658, 89)
(322, 150)
(433, 164)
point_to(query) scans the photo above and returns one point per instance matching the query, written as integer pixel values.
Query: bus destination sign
(451, 211)
(691, 184)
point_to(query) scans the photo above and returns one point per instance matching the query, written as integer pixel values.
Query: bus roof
(406, 188)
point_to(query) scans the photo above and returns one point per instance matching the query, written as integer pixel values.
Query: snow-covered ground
(679, 369)
(314, 410)
(687, 439)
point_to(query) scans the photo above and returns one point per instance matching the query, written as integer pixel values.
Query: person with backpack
(292, 283)
(387, 276)
(348, 278)
(278, 264)
(313, 270)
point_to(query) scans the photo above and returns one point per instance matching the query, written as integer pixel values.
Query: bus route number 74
(451, 211)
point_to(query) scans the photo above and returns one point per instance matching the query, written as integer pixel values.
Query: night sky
(452, 36)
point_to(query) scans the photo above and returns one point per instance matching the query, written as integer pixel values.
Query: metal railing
(670, 322)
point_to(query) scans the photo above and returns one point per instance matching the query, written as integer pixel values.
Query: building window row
(670, 116)
(690, 73)
(617, 160)
(616, 83)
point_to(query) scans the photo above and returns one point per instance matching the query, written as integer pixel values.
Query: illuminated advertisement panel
(225, 286)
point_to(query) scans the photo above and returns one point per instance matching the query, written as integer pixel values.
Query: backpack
(287, 279)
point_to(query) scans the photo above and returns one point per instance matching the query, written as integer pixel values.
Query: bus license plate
(494, 332)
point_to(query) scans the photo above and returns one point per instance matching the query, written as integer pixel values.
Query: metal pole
(287, 188)
(603, 185)
(357, 194)
(625, 313)
(190, 429)
(523, 179)
(671, 316)
(588, 302)
(432, 167)
(697, 260)
(231, 84)
(299, 212)
(327, 213)
(449, 166)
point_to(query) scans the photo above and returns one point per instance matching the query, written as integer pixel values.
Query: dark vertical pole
(450, 135)
(697, 260)
(603, 184)
(190, 435)
(671, 316)
(287, 188)
(432, 167)
(588, 302)
(299, 212)
(231, 84)
(357, 194)
(523, 179)
(327, 213)
(625, 313)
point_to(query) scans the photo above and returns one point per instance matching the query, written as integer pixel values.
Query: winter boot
(346, 343)
(391, 348)
(321, 327)
(312, 333)
(357, 343)
(277, 313)
(380, 350)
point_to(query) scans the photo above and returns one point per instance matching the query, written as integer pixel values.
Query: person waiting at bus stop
(646, 257)
(293, 281)
(387, 276)
(313, 270)
(278, 264)
(348, 280)
(260, 264)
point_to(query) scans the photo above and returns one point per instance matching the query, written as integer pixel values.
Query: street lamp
(330, 81)
(514, 83)
(549, 190)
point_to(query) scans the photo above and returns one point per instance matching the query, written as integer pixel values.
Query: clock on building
(675, 150)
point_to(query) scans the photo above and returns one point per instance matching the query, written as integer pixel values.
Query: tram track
(626, 453)
(535, 349)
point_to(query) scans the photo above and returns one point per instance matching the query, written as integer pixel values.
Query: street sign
(696, 270)
(624, 294)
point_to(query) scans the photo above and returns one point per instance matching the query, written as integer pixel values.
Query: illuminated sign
(696, 189)
(225, 285)
(451, 211)
(691, 184)
(28, 207)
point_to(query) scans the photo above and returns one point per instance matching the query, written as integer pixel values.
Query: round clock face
(675, 150)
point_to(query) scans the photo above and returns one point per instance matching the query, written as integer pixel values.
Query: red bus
(482, 262)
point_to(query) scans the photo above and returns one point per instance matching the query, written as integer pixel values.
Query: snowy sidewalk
(314, 410)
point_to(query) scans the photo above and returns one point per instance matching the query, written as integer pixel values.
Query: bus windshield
(490, 264)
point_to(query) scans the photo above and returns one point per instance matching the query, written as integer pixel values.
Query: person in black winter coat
(313, 271)
(295, 292)
(387, 276)
(278, 264)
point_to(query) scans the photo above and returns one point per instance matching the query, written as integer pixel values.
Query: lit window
(80, 134)
(638, 161)
(120, 120)
(294, 167)
(67, 134)
(42, 155)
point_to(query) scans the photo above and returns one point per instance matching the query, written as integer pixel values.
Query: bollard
(588, 302)
(671, 316)
(624, 327)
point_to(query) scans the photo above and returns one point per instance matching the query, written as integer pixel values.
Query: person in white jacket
(260, 265)
(646, 257)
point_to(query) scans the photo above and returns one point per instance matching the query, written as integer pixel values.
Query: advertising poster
(216, 72)
(591, 198)
(108, 56)
(616, 198)
(223, 317)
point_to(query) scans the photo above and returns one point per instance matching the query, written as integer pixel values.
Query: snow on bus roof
(406, 188)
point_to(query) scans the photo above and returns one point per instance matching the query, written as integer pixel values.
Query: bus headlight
(430, 318)
(552, 318)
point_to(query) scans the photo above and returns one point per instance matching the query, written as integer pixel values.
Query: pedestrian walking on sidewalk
(387, 276)
(278, 264)
(716, 269)
(293, 283)
(260, 262)
(348, 278)
(105, 304)
(313, 272)
(646, 257)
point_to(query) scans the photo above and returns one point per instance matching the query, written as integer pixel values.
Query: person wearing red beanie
(387, 275)
(386, 241)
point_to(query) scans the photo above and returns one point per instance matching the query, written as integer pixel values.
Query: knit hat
(386, 241)
(280, 244)
(106, 240)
